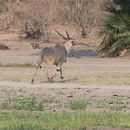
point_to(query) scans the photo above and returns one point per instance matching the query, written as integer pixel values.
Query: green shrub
(63, 121)
(78, 105)
(23, 104)
(116, 30)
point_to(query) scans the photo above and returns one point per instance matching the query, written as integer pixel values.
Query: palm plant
(116, 30)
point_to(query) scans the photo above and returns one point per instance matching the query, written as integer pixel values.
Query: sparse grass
(60, 92)
(78, 105)
(20, 90)
(88, 90)
(19, 74)
(25, 103)
(76, 120)
(114, 104)
(23, 77)
(24, 74)
(27, 65)
(105, 78)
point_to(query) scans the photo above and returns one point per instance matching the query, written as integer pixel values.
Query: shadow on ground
(80, 53)
(62, 81)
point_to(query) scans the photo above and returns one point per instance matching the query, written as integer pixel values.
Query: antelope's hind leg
(61, 76)
(37, 67)
(49, 79)
(59, 69)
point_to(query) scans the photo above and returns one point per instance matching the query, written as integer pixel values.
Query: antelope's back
(54, 55)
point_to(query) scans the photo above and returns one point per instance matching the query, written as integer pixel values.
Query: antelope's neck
(67, 47)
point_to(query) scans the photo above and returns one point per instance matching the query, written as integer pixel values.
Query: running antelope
(55, 56)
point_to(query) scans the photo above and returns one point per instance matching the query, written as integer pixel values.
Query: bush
(23, 104)
(78, 105)
(116, 30)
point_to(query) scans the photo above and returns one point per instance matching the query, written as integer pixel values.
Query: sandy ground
(86, 77)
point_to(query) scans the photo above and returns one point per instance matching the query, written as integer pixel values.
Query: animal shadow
(80, 53)
(62, 81)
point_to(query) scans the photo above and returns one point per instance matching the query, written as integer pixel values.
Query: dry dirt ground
(103, 82)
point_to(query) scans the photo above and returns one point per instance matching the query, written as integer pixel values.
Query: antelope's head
(69, 42)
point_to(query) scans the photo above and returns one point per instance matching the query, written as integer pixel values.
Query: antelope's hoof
(62, 77)
(50, 80)
(32, 82)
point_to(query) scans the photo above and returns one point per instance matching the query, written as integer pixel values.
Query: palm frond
(116, 32)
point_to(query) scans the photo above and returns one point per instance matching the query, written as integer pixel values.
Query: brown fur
(49, 60)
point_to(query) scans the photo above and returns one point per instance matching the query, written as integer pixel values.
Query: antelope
(55, 56)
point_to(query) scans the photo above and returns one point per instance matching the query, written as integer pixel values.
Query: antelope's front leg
(37, 67)
(61, 76)
(49, 79)
(59, 69)
(57, 72)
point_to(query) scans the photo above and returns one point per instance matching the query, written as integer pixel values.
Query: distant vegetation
(116, 30)
(36, 18)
